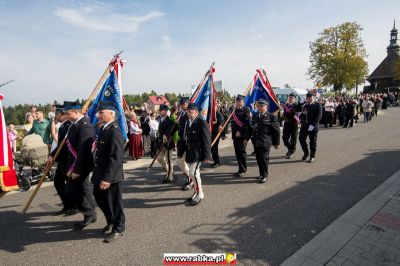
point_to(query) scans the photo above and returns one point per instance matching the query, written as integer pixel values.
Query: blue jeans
(366, 116)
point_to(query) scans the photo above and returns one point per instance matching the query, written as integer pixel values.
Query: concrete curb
(322, 248)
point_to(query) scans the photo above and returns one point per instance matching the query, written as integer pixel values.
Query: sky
(57, 50)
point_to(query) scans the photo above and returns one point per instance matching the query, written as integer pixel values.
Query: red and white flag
(8, 176)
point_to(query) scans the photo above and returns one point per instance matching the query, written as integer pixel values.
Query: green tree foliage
(16, 114)
(338, 57)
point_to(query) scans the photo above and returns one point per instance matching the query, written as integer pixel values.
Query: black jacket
(311, 115)
(289, 115)
(81, 137)
(266, 130)
(167, 128)
(198, 141)
(109, 155)
(63, 156)
(244, 115)
(220, 122)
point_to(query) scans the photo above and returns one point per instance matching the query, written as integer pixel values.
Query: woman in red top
(135, 137)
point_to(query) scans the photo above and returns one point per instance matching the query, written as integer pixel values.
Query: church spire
(393, 46)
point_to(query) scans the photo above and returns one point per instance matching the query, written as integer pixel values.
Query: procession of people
(90, 164)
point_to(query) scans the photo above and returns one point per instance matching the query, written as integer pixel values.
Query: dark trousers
(110, 203)
(60, 181)
(349, 120)
(153, 148)
(289, 137)
(240, 152)
(341, 119)
(312, 135)
(79, 192)
(214, 151)
(262, 156)
(328, 119)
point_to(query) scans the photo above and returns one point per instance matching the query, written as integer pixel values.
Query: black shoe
(187, 186)
(86, 221)
(263, 179)
(71, 212)
(112, 237)
(291, 156)
(107, 229)
(215, 165)
(259, 177)
(304, 157)
(239, 174)
(287, 154)
(312, 159)
(60, 212)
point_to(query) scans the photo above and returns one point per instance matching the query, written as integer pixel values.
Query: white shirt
(329, 107)
(107, 124)
(78, 119)
(134, 128)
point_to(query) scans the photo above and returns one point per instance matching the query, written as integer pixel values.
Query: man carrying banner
(291, 125)
(80, 139)
(107, 175)
(241, 133)
(216, 129)
(266, 133)
(166, 129)
(198, 149)
(310, 116)
(181, 144)
(60, 177)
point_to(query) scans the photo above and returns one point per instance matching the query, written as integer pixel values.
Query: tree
(338, 57)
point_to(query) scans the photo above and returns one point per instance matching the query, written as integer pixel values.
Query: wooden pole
(169, 136)
(84, 109)
(230, 116)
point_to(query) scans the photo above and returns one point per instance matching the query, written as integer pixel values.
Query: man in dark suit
(198, 149)
(60, 177)
(108, 171)
(266, 134)
(80, 140)
(165, 131)
(311, 114)
(241, 133)
(181, 143)
(216, 128)
(291, 125)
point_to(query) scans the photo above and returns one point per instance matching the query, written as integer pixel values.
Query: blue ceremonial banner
(261, 89)
(110, 92)
(204, 97)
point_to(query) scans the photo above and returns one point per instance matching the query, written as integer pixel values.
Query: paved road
(263, 223)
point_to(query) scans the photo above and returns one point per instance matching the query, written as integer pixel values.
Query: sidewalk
(367, 234)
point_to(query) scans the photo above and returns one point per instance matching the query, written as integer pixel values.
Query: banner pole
(84, 109)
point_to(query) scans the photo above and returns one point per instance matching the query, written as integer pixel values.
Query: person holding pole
(80, 140)
(198, 149)
(60, 177)
(166, 129)
(107, 175)
(241, 133)
(181, 143)
(216, 134)
(266, 134)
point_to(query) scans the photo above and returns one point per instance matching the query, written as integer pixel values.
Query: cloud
(99, 18)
